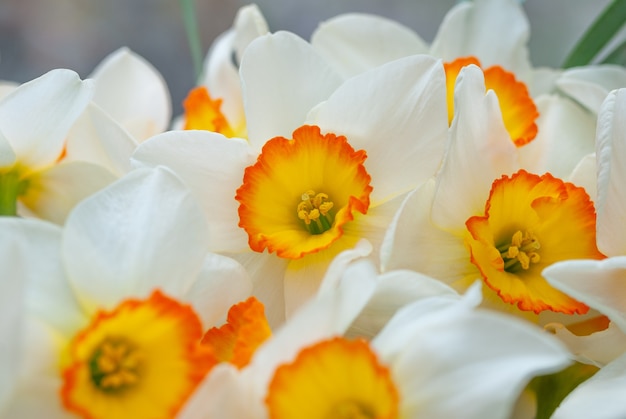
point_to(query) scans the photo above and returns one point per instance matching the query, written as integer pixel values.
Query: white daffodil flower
(35, 119)
(552, 131)
(325, 164)
(117, 301)
(484, 217)
(427, 362)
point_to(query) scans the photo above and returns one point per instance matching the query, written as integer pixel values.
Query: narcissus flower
(118, 301)
(34, 121)
(554, 132)
(485, 218)
(217, 103)
(326, 162)
(414, 367)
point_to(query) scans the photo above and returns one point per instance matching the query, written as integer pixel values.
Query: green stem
(598, 35)
(193, 35)
(10, 189)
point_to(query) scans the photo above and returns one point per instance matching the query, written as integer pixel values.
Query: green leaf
(617, 56)
(551, 389)
(193, 35)
(598, 35)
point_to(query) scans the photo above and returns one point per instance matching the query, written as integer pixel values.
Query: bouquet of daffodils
(356, 226)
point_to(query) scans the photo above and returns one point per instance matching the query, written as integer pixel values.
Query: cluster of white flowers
(360, 225)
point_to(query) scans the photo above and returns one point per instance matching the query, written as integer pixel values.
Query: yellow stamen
(521, 252)
(114, 364)
(315, 207)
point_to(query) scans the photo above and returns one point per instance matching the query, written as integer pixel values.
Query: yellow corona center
(202, 112)
(531, 222)
(517, 107)
(297, 197)
(245, 330)
(142, 359)
(338, 379)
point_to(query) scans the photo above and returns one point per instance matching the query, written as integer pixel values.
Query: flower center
(141, 359)
(324, 167)
(511, 259)
(115, 364)
(314, 210)
(520, 252)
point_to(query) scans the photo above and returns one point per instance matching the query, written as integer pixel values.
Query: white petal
(212, 167)
(133, 92)
(7, 87)
(394, 290)
(97, 138)
(566, 133)
(249, 25)
(494, 31)
(283, 78)
(224, 393)
(479, 151)
(598, 348)
(397, 113)
(222, 282)
(52, 193)
(610, 153)
(590, 85)
(340, 263)
(355, 42)
(584, 174)
(599, 284)
(221, 77)
(31, 257)
(543, 81)
(145, 231)
(414, 242)
(599, 397)
(467, 363)
(36, 117)
(37, 390)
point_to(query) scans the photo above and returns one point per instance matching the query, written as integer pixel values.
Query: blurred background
(39, 35)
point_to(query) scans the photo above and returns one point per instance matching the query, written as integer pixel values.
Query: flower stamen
(315, 208)
(521, 252)
(115, 365)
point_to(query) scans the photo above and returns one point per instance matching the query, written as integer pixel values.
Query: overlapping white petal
(133, 93)
(36, 116)
(611, 166)
(283, 78)
(494, 31)
(356, 42)
(589, 85)
(403, 145)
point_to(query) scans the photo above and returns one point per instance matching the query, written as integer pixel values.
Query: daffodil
(484, 217)
(216, 104)
(325, 164)
(601, 284)
(34, 121)
(552, 132)
(117, 302)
